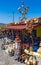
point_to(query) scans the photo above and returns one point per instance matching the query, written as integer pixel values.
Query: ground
(7, 60)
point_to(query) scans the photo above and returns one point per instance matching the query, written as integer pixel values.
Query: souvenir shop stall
(25, 46)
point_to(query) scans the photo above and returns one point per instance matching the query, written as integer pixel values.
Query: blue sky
(8, 6)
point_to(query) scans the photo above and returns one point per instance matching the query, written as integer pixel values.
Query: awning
(21, 27)
(17, 27)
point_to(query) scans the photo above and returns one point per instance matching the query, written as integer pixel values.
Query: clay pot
(33, 60)
(27, 62)
(40, 44)
(19, 59)
(39, 50)
(12, 50)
